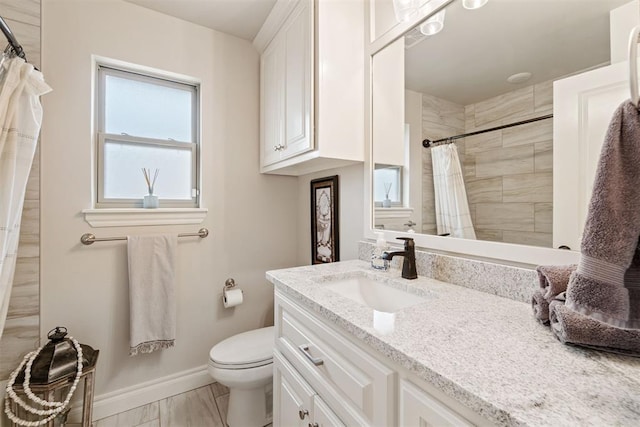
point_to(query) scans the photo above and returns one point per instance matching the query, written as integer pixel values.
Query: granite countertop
(485, 351)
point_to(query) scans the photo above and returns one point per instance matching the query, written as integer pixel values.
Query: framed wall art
(325, 242)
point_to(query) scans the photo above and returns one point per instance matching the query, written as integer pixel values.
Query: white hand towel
(152, 292)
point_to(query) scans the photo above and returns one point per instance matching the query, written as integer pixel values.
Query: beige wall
(250, 215)
(351, 205)
(22, 328)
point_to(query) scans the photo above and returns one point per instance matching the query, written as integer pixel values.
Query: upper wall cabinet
(311, 86)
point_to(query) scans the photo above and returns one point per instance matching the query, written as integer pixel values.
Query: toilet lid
(253, 348)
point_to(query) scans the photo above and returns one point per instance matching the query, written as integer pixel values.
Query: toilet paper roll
(231, 298)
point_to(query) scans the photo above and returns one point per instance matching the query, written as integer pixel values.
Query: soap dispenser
(377, 261)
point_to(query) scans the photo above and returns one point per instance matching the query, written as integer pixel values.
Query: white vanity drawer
(419, 408)
(345, 376)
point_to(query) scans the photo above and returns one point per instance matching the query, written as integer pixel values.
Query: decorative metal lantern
(53, 370)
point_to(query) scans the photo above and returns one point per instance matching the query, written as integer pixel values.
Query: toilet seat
(250, 349)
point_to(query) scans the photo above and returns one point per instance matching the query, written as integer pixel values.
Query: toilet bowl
(244, 363)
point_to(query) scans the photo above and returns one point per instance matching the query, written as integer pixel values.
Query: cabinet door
(298, 81)
(323, 416)
(419, 409)
(292, 396)
(582, 109)
(272, 87)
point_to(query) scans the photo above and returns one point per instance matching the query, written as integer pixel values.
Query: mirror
(465, 72)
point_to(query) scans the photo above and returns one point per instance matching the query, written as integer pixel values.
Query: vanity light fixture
(404, 9)
(433, 25)
(473, 4)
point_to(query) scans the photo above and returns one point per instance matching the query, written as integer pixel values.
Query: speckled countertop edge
(483, 332)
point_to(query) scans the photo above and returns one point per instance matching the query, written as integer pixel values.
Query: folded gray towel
(577, 329)
(602, 287)
(540, 307)
(554, 279)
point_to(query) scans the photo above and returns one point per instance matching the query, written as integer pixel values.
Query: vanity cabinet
(311, 86)
(295, 402)
(319, 369)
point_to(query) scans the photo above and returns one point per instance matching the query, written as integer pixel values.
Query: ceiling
(241, 18)
(471, 58)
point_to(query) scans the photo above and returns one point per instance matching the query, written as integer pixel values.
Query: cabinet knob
(275, 147)
(303, 413)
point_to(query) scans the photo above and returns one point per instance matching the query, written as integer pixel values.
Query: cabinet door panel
(272, 101)
(298, 108)
(323, 416)
(291, 395)
(419, 409)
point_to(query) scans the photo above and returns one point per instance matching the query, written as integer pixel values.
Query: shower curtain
(20, 117)
(452, 208)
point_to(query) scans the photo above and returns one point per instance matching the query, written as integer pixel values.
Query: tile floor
(202, 407)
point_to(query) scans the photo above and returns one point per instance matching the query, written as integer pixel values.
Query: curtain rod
(13, 42)
(427, 143)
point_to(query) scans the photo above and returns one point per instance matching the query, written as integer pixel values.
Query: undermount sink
(373, 293)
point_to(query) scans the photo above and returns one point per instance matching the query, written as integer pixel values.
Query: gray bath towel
(540, 307)
(574, 328)
(553, 280)
(606, 286)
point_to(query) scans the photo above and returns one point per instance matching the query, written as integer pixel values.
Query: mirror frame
(494, 251)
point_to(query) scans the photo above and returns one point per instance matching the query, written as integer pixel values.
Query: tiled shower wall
(440, 119)
(22, 328)
(508, 173)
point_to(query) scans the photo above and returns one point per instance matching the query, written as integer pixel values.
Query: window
(146, 122)
(387, 182)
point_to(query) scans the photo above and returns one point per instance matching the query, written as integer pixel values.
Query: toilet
(244, 363)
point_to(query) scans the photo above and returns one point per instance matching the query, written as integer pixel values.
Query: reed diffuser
(386, 203)
(150, 200)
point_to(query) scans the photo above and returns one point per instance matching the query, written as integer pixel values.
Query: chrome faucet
(409, 262)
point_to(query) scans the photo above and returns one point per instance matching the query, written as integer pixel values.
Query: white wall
(351, 205)
(85, 287)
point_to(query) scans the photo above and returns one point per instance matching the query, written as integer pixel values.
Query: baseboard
(132, 397)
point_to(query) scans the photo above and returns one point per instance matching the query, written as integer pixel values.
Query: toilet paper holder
(232, 295)
(229, 284)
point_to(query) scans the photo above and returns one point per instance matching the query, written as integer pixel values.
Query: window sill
(136, 216)
(393, 212)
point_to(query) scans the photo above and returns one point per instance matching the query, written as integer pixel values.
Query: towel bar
(88, 238)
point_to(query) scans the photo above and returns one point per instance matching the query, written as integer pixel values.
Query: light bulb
(433, 25)
(473, 4)
(404, 9)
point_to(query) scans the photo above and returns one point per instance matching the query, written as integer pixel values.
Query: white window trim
(393, 213)
(137, 216)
